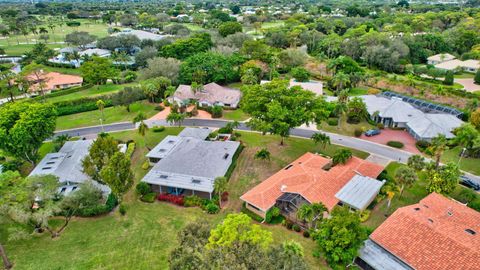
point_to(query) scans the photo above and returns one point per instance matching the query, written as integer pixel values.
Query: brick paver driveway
(395, 135)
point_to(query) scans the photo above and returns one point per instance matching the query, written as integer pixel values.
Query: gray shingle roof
(192, 163)
(199, 133)
(359, 192)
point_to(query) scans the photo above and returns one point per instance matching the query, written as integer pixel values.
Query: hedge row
(64, 92)
(234, 161)
(82, 105)
(60, 65)
(99, 209)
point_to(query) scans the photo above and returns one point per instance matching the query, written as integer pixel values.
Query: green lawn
(464, 75)
(112, 115)
(344, 128)
(471, 165)
(236, 115)
(91, 92)
(358, 92)
(19, 44)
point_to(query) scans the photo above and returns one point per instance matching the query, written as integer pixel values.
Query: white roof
(199, 133)
(441, 57)
(142, 35)
(430, 125)
(395, 108)
(453, 64)
(359, 192)
(99, 52)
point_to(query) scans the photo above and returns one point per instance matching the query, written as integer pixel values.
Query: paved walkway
(163, 114)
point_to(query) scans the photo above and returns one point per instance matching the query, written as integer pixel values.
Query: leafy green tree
(416, 162)
(444, 179)
(184, 48)
(155, 87)
(476, 79)
(256, 49)
(220, 186)
(448, 78)
(127, 96)
(340, 81)
(340, 236)
(321, 138)
(238, 228)
(34, 74)
(345, 65)
(214, 67)
(469, 137)
(311, 213)
(144, 55)
(405, 177)
(300, 74)
(276, 108)
(263, 154)
(24, 127)
(117, 174)
(161, 67)
(228, 28)
(9, 84)
(99, 155)
(341, 156)
(80, 38)
(356, 110)
(98, 70)
(437, 147)
(475, 118)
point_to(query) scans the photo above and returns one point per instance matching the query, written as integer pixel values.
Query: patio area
(394, 135)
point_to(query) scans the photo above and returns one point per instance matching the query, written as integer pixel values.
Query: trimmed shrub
(122, 209)
(306, 234)
(146, 165)
(395, 144)
(364, 215)
(142, 189)
(100, 208)
(216, 111)
(358, 132)
(422, 145)
(148, 198)
(159, 108)
(332, 121)
(130, 150)
(194, 200)
(212, 208)
(158, 128)
(289, 224)
(175, 199)
(296, 228)
(380, 126)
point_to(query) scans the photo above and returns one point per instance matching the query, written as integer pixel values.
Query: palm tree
(321, 138)
(340, 80)
(263, 154)
(52, 26)
(122, 57)
(220, 186)
(438, 145)
(405, 176)
(305, 213)
(175, 118)
(318, 210)
(150, 90)
(341, 156)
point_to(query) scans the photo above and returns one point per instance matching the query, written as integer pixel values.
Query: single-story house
(436, 233)
(313, 179)
(439, 58)
(142, 35)
(53, 81)
(394, 112)
(312, 86)
(210, 95)
(188, 164)
(66, 164)
(467, 65)
(96, 52)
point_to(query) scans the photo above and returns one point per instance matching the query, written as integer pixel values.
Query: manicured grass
(471, 165)
(236, 115)
(464, 75)
(112, 115)
(91, 92)
(267, 25)
(344, 128)
(358, 92)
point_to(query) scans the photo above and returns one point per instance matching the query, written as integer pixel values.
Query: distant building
(66, 164)
(96, 52)
(439, 58)
(311, 179)
(53, 81)
(394, 112)
(211, 94)
(315, 87)
(436, 233)
(187, 164)
(142, 35)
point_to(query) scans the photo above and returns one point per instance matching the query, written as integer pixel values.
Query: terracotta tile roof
(432, 234)
(53, 80)
(307, 177)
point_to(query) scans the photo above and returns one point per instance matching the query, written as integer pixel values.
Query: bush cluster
(59, 65)
(100, 208)
(158, 128)
(210, 206)
(358, 132)
(395, 144)
(332, 121)
(422, 145)
(64, 92)
(175, 199)
(149, 197)
(130, 149)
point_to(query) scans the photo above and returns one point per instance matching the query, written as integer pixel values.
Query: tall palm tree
(318, 210)
(220, 186)
(340, 81)
(321, 138)
(405, 177)
(438, 145)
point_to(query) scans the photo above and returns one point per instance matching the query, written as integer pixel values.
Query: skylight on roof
(470, 231)
(46, 168)
(196, 181)
(163, 176)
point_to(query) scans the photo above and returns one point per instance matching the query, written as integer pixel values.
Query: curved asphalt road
(351, 142)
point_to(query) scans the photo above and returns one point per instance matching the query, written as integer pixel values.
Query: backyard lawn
(471, 165)
(91, 92)
(112, 115)
(235, 115)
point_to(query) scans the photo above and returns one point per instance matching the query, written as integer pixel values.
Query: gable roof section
(433, 234)
(359, 192)
(430, 125)
(441, 57)
(306, 176)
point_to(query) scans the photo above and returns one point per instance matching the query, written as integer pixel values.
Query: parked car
(469, 183)
(372, 132)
